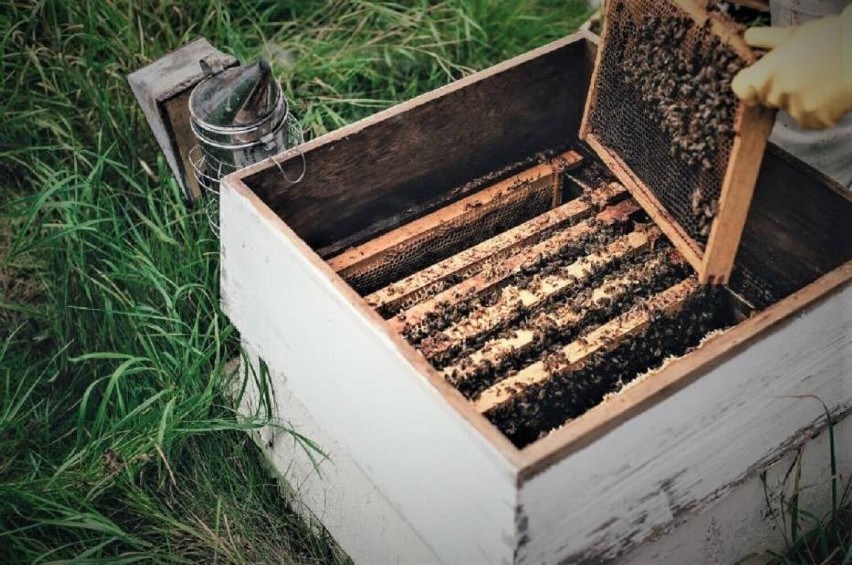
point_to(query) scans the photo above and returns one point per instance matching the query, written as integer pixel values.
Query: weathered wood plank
(575, 354)
(796, 231)
(505, 309)
(753, 127)
(433, 279)
(329, 486)
(410, 156)
(162, 90)
(758, 503)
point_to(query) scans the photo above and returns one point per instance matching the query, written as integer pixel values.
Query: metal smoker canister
(240, 117)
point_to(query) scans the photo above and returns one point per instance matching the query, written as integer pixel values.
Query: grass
(116, 440)
(810, 538)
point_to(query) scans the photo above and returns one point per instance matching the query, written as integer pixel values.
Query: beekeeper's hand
(807, 72)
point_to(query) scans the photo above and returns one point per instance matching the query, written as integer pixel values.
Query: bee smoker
(239, 117)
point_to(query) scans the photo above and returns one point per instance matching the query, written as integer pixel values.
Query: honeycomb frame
(728, 177)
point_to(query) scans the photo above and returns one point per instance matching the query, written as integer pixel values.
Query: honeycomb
(536, 331)
(509, 209)
(662, 101)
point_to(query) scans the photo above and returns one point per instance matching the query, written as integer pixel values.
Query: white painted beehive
(413, 471)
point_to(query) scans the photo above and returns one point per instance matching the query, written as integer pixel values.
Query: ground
(116, 441)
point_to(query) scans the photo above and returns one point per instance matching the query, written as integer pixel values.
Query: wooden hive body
(414, 472)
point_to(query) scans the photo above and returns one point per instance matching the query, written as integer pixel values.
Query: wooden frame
(580, 270)
(752, 127)
(438, 231)
(431, 280)
(611, 288)
(472, 496)
(578, 351)
(615, 214)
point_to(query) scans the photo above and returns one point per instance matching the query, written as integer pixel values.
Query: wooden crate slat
(386, 248)
(503, 311)
(604, 338)
(738, 189)
(613, 288)
(431, 280)
(493, 276)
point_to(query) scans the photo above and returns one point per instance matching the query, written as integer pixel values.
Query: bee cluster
(687, 91)
(647, 273)
(664, 104)
(550, 325)
(449, 314)
(541, 408)
(516, 311)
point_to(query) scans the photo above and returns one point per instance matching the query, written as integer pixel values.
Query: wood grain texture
(162, 90)
(698, 442)
(753, 127)
(752, 518)
(282, 297)
(328, 485)
(797, 230)
(594, 55)
(459, 132)
(177, 123)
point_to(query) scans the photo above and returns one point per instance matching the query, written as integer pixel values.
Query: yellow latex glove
(807, 73)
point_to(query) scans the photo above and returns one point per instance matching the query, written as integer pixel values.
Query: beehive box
(412, 470)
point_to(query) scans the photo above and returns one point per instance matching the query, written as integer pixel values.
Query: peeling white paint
(439, 473)
(696, 445)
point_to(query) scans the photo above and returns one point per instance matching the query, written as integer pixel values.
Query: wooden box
(670, 468)
(162, 90)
